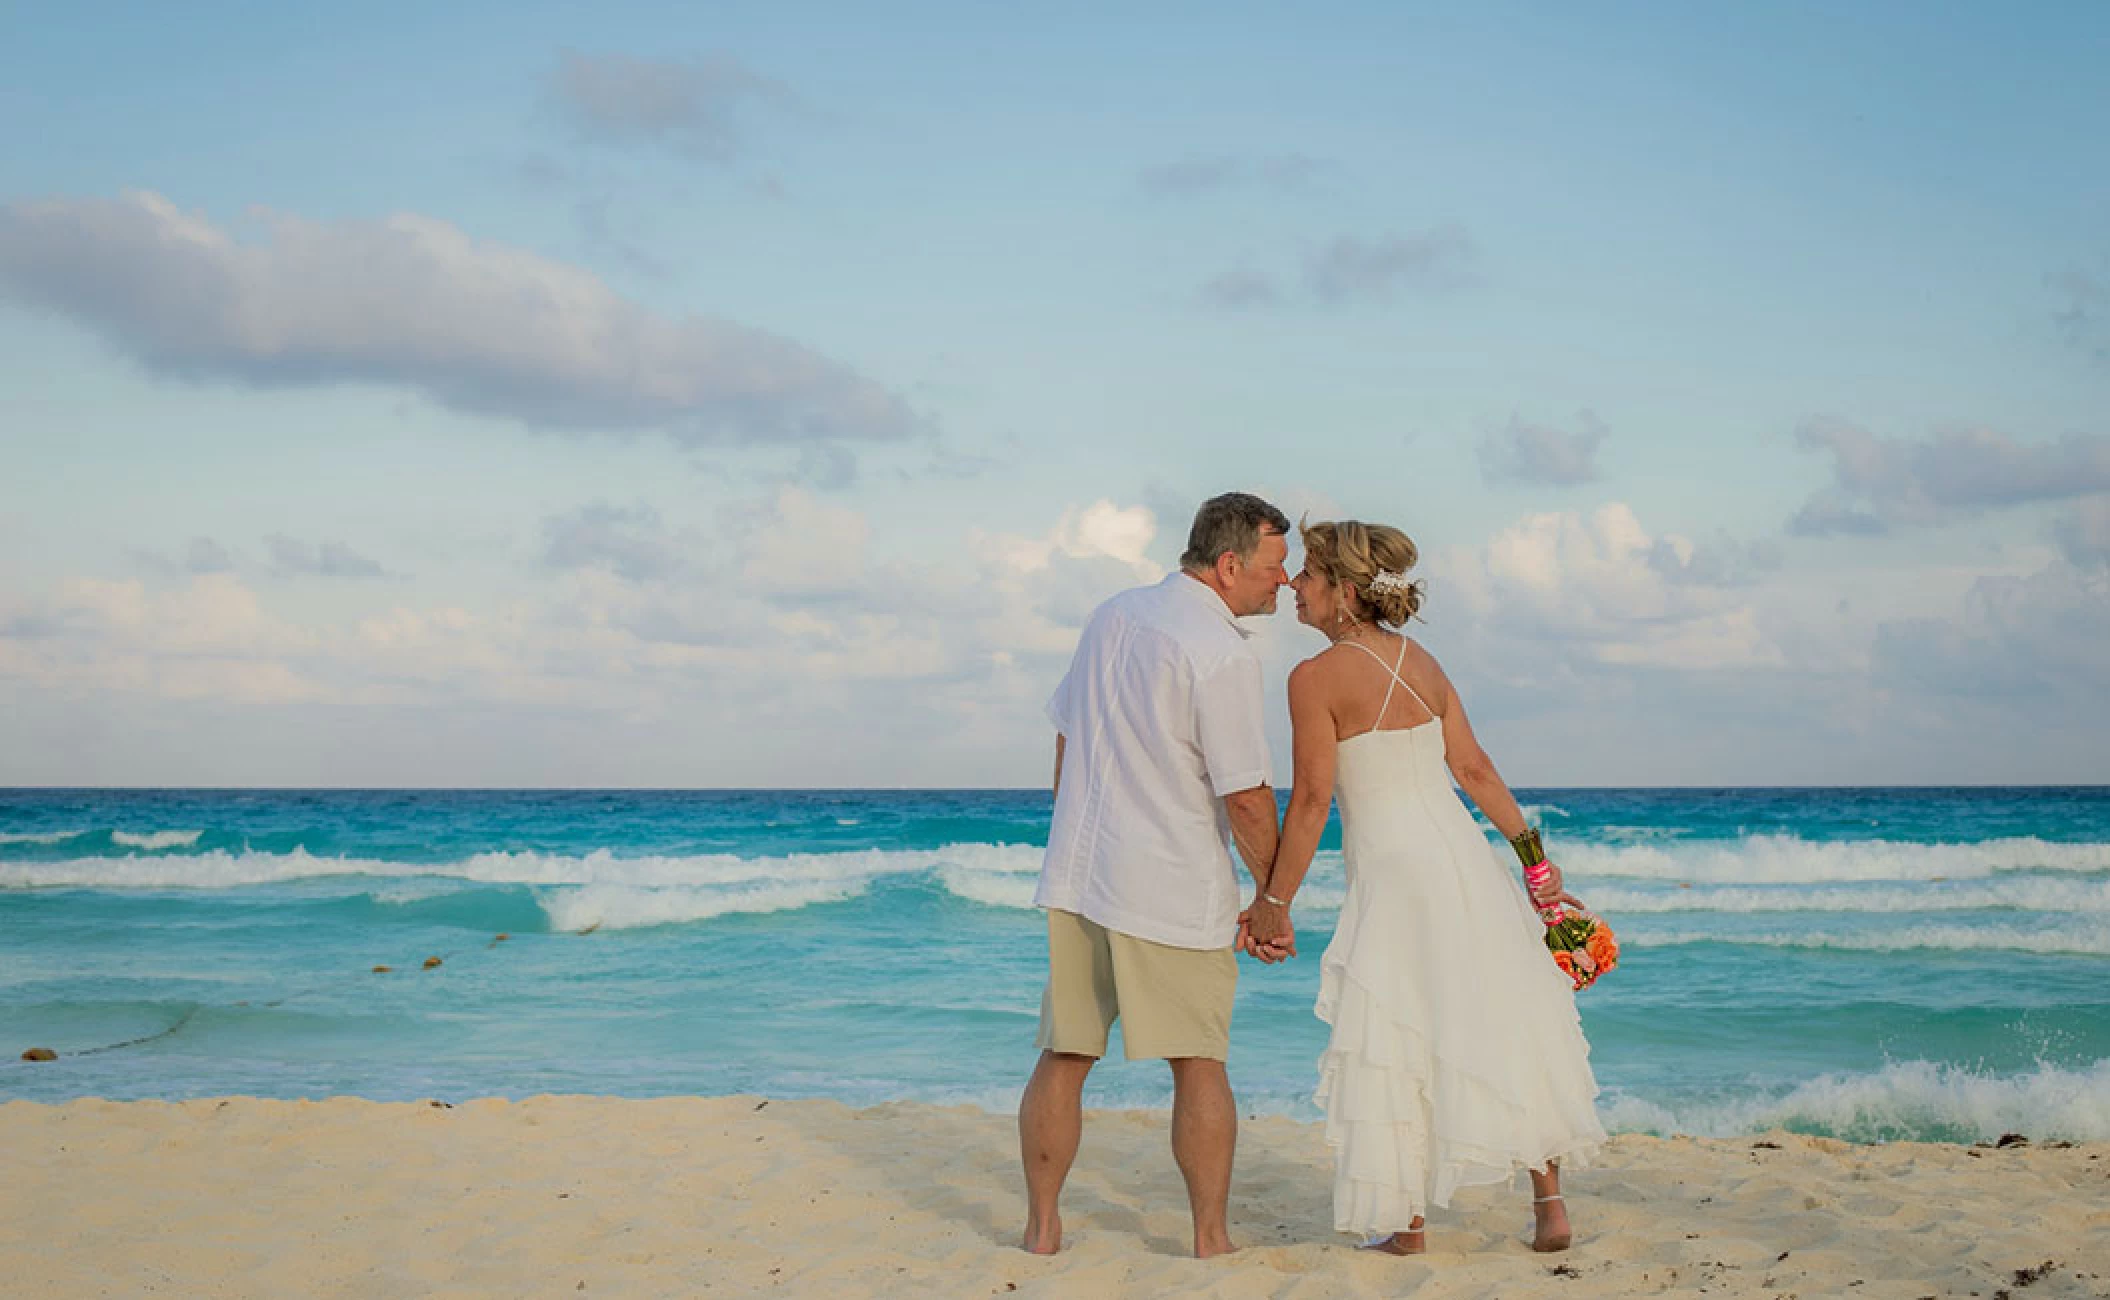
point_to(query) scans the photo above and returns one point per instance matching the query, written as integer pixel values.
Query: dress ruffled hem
(1410, 1126)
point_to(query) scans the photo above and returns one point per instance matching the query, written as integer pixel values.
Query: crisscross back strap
(1397, 681)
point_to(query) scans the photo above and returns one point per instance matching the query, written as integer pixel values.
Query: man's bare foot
(1407, 1241)
(1043, 1238)
(1554, 1234)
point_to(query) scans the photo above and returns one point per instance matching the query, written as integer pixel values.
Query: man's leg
(1204, 1141)
(1050, 1123)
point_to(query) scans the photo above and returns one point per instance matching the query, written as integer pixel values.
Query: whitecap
(152, 840)
(1780, 859)
(37, 837)
(2007, 893)
(628, 907)
(2075, 938)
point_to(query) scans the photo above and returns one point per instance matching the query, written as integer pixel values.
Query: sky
(762, 395)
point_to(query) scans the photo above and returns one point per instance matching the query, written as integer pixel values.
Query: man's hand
(1265, 932)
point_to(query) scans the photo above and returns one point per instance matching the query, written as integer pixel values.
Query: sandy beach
(743, 1195)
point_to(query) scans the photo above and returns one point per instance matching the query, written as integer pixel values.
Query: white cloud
(804, 543)
(1601, 586)
(1590, 647)
(414, 302)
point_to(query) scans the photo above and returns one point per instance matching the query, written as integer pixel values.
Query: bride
(1456, 1056)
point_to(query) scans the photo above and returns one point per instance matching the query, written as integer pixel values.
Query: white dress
(1456, 1056)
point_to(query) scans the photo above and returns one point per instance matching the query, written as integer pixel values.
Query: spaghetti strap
(1397, 681)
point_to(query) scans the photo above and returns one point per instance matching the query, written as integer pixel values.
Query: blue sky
(761, 395)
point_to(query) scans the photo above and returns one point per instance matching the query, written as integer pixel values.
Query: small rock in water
(501, 937)
(40, 1054)
(383, 970)
(2011, 1140)
(431, 962)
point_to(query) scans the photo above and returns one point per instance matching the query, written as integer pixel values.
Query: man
(1159, 752)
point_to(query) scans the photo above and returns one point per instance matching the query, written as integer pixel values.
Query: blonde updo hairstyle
(1349, 554)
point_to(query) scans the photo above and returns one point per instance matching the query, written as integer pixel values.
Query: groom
(1159, 751)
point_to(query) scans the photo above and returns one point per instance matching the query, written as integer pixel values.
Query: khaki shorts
(1172, 1002)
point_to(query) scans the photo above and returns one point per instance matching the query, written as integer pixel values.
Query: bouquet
(1583, 946)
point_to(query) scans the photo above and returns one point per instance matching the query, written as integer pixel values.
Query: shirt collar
(1197, 590)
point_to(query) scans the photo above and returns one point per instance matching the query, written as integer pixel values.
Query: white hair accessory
(1391, 580)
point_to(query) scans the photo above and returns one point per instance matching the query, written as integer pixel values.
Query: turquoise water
(1864, 963)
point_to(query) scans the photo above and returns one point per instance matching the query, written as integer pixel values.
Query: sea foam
(1905, 1100)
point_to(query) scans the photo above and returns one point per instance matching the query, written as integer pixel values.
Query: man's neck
(1203, 581)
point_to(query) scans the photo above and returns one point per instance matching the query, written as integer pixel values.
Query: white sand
(733, 1196)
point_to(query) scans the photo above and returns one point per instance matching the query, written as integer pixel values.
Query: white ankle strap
(1541, 1200)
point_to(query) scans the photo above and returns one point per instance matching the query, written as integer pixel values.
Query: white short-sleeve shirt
(1161, 716)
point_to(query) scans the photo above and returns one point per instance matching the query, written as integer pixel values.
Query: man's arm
(1255, 830)
(1257, 834)
(1057, 789)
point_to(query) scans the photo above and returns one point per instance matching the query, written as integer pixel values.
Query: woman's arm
(1475, 771)
(1313, 749)
(1476, 775)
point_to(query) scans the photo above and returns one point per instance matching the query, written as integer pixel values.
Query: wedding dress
(1456, 1056)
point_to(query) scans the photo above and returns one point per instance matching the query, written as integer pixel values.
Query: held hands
(1265, 933)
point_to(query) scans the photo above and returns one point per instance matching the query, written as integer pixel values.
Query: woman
(1456, 1057)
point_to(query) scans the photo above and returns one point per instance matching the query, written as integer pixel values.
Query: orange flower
(1603, 949)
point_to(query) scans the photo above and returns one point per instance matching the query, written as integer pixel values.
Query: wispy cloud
(1351, 270)
(2083, 533)
(2032, 637)
(694, 107)
(1540, 453)
(198, 555)
(414, 302)
(293, 558)
(1240, 290)
(2083, 313)
(630, 542)
(1191, 177)
(1880, 484)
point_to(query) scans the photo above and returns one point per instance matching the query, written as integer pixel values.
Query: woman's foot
(1407, 1241)
(1043, 1238)
(1551, 1214)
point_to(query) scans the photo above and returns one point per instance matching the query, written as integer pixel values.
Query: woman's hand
(1265, 932)
(1549, 891)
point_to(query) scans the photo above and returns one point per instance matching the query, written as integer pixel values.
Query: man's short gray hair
(1232, 522)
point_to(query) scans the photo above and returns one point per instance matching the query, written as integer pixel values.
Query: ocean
(1864, 963)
